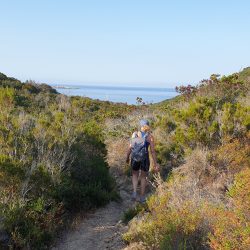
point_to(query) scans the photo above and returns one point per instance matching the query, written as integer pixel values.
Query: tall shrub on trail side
(203, 124)
(194, 122)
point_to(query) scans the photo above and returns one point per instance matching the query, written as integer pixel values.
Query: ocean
(118, 94)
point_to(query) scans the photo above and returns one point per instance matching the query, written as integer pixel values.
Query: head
(144, 125)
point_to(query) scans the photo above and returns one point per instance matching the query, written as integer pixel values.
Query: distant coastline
(64, 87)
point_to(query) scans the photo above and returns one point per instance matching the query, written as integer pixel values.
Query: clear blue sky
(157, 42)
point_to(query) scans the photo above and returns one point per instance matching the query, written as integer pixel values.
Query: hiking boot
(142, 199)
(134, 195)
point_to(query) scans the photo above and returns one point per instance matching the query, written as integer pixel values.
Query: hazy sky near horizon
(155, 43)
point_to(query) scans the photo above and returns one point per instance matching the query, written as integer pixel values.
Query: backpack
(139, 150)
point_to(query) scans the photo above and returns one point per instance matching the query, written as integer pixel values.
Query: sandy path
(103, 228)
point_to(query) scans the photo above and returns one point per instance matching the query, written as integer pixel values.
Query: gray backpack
(139, 150)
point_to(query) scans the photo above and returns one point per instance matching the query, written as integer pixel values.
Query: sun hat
(144, 122)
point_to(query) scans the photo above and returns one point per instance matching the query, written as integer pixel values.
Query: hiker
(138, 149)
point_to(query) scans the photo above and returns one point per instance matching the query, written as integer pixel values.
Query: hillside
(244, 75)
(203, 142)
(52, 160)
(57, 154)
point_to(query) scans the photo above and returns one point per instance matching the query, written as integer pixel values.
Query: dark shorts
(140, 165)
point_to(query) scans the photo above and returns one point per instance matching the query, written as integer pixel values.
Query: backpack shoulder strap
(134, 135)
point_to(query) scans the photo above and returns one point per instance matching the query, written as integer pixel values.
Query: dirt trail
(103, 228)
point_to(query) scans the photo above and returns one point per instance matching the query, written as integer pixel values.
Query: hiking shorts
(144, 165)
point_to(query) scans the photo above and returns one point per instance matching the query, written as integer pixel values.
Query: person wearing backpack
(139, 146)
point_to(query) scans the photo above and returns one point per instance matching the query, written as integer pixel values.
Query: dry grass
(197, 180)
(117, 151)
(136, 246)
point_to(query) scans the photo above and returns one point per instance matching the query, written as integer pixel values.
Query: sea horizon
(119, 94)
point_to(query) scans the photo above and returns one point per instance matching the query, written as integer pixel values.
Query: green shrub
(132, 212)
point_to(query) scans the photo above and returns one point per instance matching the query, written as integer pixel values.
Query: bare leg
(143, 182)
(135, 180)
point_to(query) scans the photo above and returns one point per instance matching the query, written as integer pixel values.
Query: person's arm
(128, 154)
(152, 150)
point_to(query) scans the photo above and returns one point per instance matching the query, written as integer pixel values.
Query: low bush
(132, 212)
(167, 227)
(231, 226)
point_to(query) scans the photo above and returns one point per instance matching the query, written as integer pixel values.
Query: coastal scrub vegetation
(202, 138)
(55, 154)
(52, 160)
